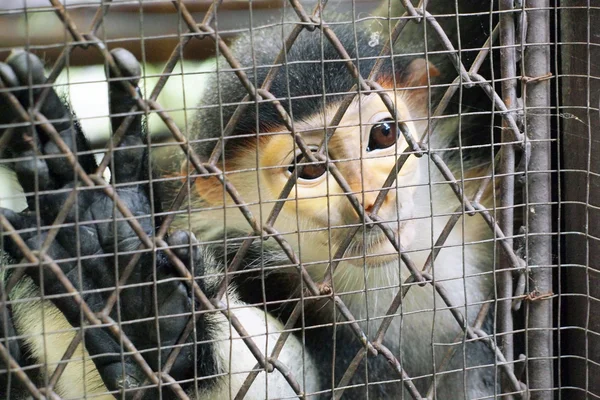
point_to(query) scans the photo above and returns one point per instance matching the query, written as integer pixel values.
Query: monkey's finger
(26, 226)
(186, 246)
(23, 140)
(8, 113)
(175, 304)
(120, 98)
(12, 85)
(8, 77)
(174, 309)
(106, 353)
(129, 157)
(25, 69)
(29, 69)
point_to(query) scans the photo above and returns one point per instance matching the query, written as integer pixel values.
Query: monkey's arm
(95, 243)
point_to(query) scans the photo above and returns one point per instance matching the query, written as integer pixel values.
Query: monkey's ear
(416, 73)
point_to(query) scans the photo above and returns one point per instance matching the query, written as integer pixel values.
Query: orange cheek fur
(240, 173)
(210, 190)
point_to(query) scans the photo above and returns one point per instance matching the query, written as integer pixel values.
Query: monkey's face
(317, 216)
(364, 148)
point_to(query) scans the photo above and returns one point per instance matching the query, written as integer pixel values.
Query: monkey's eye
(384, 134)
(310, 171)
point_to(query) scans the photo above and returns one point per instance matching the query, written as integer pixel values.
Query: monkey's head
(261, 155)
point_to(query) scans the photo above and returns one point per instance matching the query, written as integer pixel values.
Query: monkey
(258, 159)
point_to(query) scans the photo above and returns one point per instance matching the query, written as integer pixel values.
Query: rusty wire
(469, 79)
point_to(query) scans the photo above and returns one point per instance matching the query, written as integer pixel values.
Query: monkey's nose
(369, 201)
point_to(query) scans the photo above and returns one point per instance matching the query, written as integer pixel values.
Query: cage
(299, 199)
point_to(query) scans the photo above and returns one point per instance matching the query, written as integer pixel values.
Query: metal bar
(539, 334)
(504, 279)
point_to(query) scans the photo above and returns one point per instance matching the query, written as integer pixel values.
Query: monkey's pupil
(385, 129)
(311, 171)
(383, 135)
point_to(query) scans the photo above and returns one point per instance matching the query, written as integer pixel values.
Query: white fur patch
(11, 192)
(235, 357)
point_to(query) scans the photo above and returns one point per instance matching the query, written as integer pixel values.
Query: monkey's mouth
(372, 246)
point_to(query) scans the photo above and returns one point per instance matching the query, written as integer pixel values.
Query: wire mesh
(521, 35)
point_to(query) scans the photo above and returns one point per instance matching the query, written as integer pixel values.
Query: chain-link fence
(529, 340)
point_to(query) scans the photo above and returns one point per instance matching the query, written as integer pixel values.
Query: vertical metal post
(504, 280)
(539, 341)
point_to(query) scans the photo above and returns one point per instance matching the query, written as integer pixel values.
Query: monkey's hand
(95, 242)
